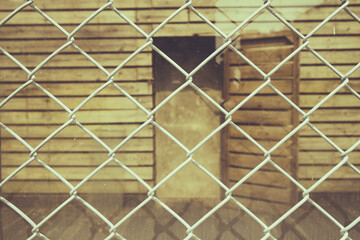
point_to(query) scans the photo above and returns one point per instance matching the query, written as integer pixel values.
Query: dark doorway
(188, 116)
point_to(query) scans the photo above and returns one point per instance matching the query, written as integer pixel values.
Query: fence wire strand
(188, 153)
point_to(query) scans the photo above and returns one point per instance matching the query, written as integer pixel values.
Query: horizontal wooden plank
(245, 146)
(97, 103)
(29, 186)
(318, 143)
(262, 117)
(88, 45)
(332, 56)
(107, 16)
(332, 185)
(239, 14)
(247, 87)
(345, 101)
(262, 132)
(251, 161)
(324, 72)
(262, 55)
(99, 116)
(100, 130)
(258, 102)
(89, 31)
(78, 173)
(185, 29)
(77, 89)
(333, 129)
(258, 41)
(344, 42)
(78, 159)
(263, 193)
(83, 4)
(335, 115)
(79, 145)
(319, 171)
(78, 60)
(261, 177)
(76, 74)
(331, 28)
(327, 157)
(326, 86)
(248, 72)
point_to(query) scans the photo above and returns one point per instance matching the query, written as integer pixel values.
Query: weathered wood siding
(109, 40)
(267, 118)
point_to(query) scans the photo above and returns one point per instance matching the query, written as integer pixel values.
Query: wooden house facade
(111, 116)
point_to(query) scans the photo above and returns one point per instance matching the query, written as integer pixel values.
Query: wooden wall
(267, 118)
(109, 40)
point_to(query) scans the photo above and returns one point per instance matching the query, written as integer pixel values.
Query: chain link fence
(188, 153)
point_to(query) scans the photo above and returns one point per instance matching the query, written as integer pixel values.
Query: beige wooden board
(316, 42)
(78, 60)
(84, 4)
(344, 101)
(263, 193)
(333, 129)
(258, 102)
(328, 157)
(88, 45)
(335, 115)
(262, 117)
(105, 17)
(97, 103)
(100, 130)
(78, 159)
(333, 57)
(251, 161)
(326, 86)
(89, 31)
(331, 28)
(78, 173)
(189, 29)
(79, 145)
(324, 72)
(319, 171)
(290, 13)
(99, 116)
(276, 3)
(77, 89)
(343, 42)
(311, 143)
(262, 132)
(245, 146)
(338, 185)
(248, 72)
(247, 87)
(29, 186)
(258, 40)
(262, 55)
(76, 74)
(261, 177)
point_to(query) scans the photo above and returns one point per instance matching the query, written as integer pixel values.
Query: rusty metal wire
(188, 153)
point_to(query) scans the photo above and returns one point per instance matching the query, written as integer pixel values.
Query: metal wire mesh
(188, 153)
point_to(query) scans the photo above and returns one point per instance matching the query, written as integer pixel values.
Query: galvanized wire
(188, 153)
